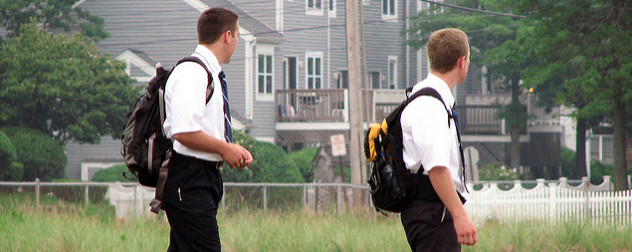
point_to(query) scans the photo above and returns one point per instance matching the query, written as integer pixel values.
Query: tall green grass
(75, 227)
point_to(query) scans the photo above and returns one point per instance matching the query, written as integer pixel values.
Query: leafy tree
(61, 85)
(591, 41)
(303, 160)
(51, 15)
(8, 170)
(491, 37)
(41, 155)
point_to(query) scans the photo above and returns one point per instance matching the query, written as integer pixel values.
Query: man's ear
(227, 36)
(461, 61)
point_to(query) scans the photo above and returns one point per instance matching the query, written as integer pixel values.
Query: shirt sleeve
(431, 133)
(187, 84)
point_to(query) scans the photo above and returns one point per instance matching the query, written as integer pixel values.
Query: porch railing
(313, 105)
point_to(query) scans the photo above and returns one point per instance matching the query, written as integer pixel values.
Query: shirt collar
(438, 84)
(209, 59)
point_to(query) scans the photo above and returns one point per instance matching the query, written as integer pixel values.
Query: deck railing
(313, 105)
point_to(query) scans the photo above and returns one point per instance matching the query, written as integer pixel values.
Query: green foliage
(568, 162)
(15, 172)
(598, 170)
(61, 85)
(497, 172)
(581, 47)
(41, 155)
(58, 14)
(7, 156)
(303, 160)
(271, 163)
(112, 174)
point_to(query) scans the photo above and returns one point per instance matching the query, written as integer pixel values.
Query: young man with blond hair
(436, 220)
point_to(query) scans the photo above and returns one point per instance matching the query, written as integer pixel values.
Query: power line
(474, 10)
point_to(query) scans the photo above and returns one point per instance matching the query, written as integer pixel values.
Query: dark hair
(445, 47)
(214, 22)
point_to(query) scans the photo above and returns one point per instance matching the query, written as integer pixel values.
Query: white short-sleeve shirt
(186, 107)
(427, 139)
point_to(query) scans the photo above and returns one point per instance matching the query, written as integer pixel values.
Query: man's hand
(465, 230)
(233, 154)
(442, 183)
(236, 156)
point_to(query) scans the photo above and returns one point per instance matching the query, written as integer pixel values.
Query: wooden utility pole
(355, 92)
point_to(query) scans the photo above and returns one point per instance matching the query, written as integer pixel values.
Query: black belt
(214, 164)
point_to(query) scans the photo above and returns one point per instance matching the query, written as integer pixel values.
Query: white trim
(332, 13)
(492, 139)
(249, 68)
(236, 124)
(389, 17)
(312, 126)
(201, 7)
(130, 58)
(279, 15)
(419, 65)
(265, 139)
(319, 55)
(314, 11)
(395, 80)
(100, 165)
(266, 50)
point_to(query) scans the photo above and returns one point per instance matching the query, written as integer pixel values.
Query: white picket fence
(551, 201)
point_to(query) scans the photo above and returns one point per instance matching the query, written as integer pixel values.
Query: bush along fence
(552, 201)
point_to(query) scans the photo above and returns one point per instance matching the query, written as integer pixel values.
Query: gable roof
(260, 30)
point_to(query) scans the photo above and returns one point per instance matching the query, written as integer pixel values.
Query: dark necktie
(227, 121)
(458, 135)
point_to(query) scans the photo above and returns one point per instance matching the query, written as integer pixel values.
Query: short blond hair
(445, 47)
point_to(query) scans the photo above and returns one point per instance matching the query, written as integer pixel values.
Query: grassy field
(68, 227)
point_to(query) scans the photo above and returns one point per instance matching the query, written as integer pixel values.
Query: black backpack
(146, 150)
(392, 185)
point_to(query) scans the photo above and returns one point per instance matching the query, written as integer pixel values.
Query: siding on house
(109, 149)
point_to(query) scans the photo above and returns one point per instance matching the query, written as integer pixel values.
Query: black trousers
(429, 227)
(192, 193)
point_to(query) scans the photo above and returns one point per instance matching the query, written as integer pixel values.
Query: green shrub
(77, 194)
(568, 162)
(497, 172)
(113, 174)
(41, 155)
(598, 170)
(271, 164)
(7, 157)
(303, 160)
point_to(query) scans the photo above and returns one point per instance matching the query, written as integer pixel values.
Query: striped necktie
(458, 135)
(228, 135)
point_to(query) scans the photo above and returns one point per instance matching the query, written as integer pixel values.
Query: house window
(343, 79)
(392, 72)
(314, 70)
(374, 80)
(389, 9)
(314, 7)
(332, 8)
(314, 4)
(265, 71)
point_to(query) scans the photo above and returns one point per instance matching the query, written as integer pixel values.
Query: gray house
(288, 79)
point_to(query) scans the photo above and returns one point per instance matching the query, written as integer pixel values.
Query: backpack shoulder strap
(209, 86)
(428, 91)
